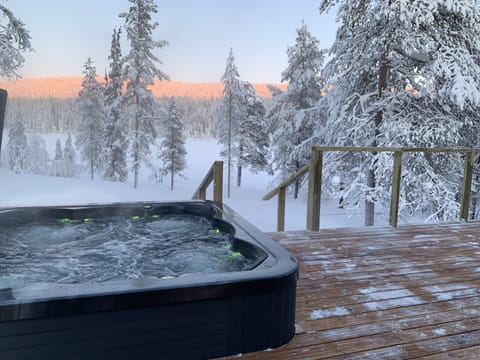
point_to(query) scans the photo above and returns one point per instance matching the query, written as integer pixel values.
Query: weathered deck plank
(405, 293)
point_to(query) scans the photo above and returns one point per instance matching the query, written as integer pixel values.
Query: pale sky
(200, 33)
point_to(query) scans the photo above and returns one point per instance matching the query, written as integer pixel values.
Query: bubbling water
(115, 248)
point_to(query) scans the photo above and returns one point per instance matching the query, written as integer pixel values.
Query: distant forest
(59, 115)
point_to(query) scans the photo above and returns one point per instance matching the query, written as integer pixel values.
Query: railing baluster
(314, 190)
(215, 174)
(281, 209)
(396, 176)
(467, 186)
(218, 182)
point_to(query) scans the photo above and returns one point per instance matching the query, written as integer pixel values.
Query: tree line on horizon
(399, 74)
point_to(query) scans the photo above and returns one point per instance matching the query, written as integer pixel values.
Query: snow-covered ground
(27, 190)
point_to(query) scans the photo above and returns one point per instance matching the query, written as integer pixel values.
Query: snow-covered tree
(17, 147)
(90, 137)
(58, 160)
(173, 153)
(231, 113)
(69, 158)
(116, 132)
(139, 72)
(241, 125)
(15, 40)
(38, 158)
(252, 133)
(293, 113)
(403, 73)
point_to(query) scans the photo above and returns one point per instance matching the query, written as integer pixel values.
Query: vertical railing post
(202, 194)
(218, 182)
(314, 190)
(467, 186)
(281, 209)
(395, 197)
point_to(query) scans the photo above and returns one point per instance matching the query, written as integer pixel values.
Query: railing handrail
(393, 149)
(286, 183)
(215, 174)
(314, 169)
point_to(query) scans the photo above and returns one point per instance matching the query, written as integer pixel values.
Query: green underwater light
(235, 254)
(155, 216)
(64, 221)
(136, 218)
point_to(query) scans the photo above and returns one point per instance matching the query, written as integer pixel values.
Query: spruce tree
(403, 73)
(116, 131)
(139, 72)
(231, 113)
(15, 40)
(173, 153)
(69, 157)
(58, 160)
(293, 112)
(253, 140)
(17, 147)
(38, 158)
(91, 129)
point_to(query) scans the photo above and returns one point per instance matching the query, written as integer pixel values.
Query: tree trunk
(239, 166)
(297, 182)
(475, 193)
(229, 161)
(371, 181)
(92, 168)
(239, 175)
(370, 205)
(172, 174)
(135, 144)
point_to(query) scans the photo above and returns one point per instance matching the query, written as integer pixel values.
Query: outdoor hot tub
(243, 301)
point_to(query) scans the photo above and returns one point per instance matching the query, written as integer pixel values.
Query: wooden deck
(406, 293)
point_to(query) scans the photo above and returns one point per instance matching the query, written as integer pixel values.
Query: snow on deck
(411, 292)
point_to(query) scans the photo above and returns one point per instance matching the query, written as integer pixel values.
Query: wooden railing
(281, 191)
(215, 175)
(315, 167)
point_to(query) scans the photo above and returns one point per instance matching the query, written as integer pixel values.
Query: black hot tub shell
(197, 316)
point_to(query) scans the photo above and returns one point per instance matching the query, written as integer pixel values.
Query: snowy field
(26, 190)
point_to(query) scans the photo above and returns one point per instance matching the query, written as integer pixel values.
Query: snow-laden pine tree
(173, 152)
(293, 113)
(17, 147)
(403, 73)
(15, 40)
(252, 133)
(116, 130)
(38, 159)
(231, 113)
(70, 158)
(139, 72)
(58, 160)
(90, 137)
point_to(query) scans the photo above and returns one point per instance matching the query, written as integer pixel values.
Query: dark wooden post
(314, 190)
(281, 209)
(396, 176)
(467, 186)
(218, 182)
